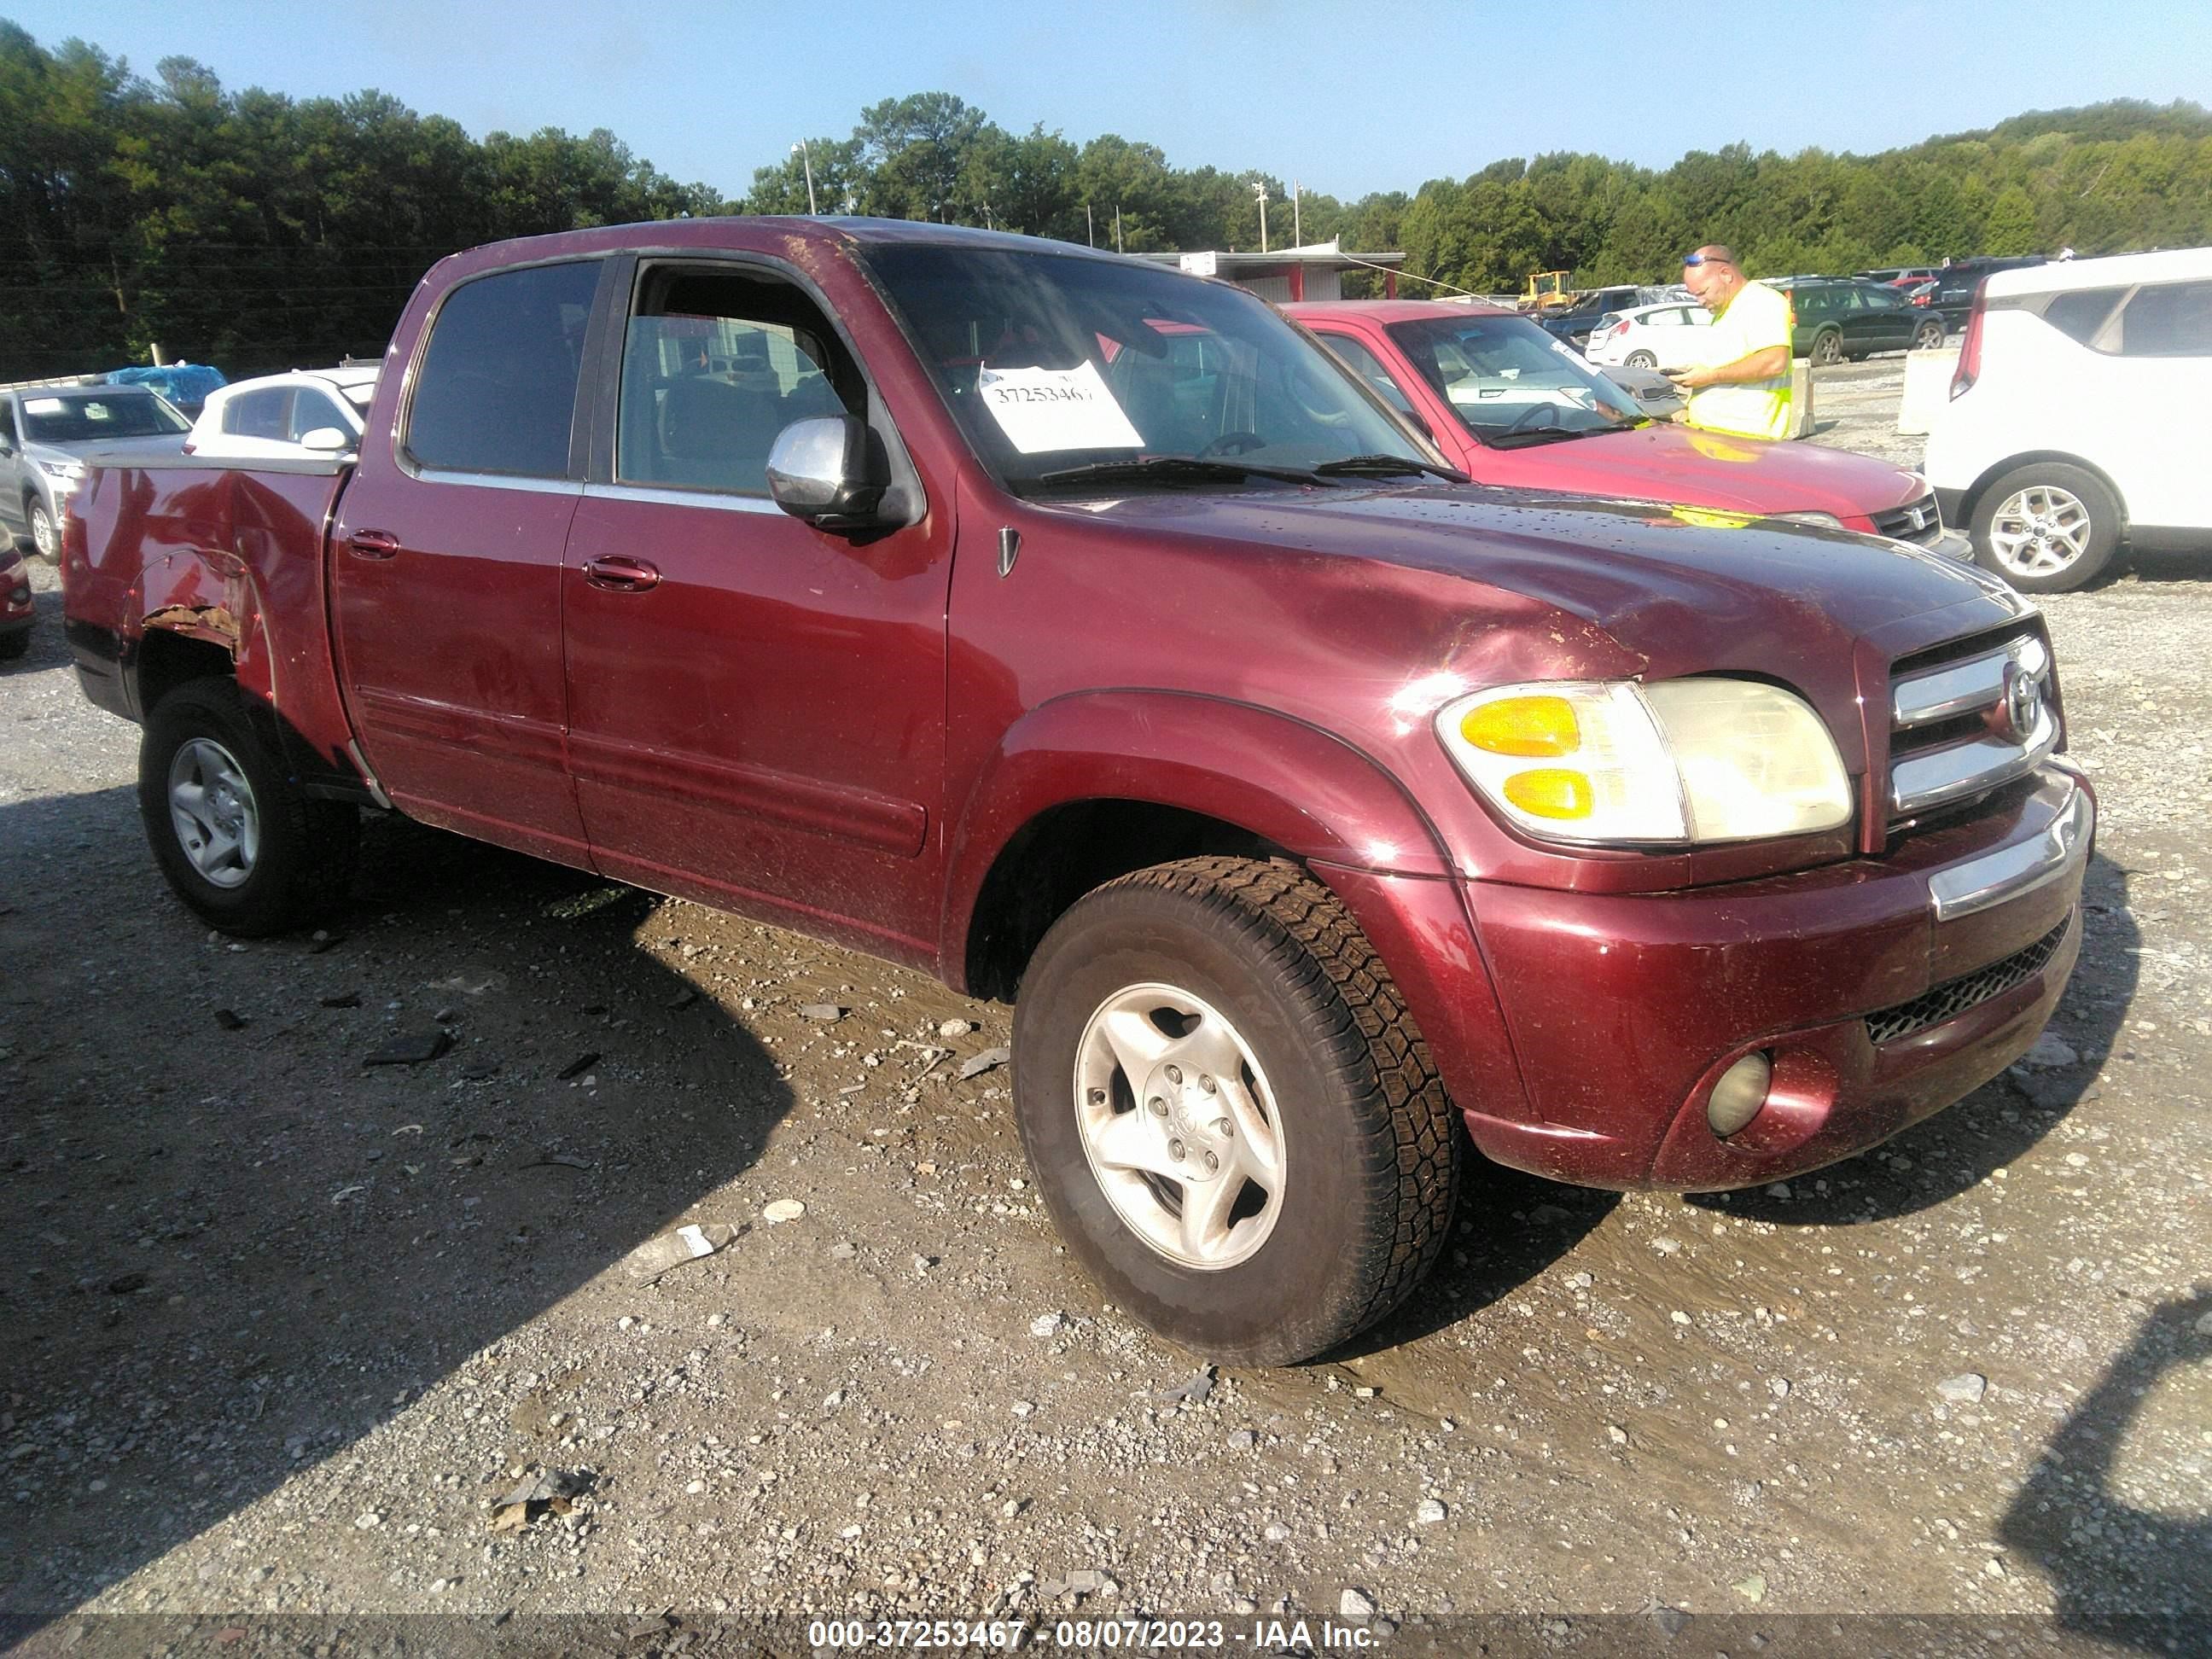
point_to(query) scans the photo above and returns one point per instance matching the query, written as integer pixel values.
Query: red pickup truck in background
(1057, 624)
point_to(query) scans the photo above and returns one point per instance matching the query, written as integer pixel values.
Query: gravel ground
(284, 1329)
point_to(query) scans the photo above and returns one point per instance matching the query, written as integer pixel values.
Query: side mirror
(326, 440)
(828, 471)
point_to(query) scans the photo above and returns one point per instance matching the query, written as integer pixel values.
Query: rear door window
(2172, 320)
(496, 391)
(257, 414)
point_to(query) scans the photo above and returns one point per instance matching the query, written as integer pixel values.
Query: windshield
(90, 420)
(1055, 362)
(1510, 382)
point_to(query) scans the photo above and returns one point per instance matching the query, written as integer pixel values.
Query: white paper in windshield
(42, 407)
(1045, 409)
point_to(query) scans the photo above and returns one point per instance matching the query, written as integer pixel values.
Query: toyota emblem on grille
(2023, 700)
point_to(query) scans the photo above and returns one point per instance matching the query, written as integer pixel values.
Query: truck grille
(1967, 720)
(1955, 998)
(1918, 521)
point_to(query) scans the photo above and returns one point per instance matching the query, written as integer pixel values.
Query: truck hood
(1685, 590)
(1669, 463)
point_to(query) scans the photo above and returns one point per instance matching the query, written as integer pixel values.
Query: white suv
(309, 411)
(2079, 417)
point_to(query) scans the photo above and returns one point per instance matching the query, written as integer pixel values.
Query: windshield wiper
(1387, 466)
(1173, 469)
(1544, 434)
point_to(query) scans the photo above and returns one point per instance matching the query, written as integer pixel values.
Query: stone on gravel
(1752, 1590)
(953, 1028)
(576, 1067)
(413, 1048)
(2051, 1053)
(1429, 1513)
(989, 1060)
(1049, 1324)
(1355, 1604)
(827, 1013)
(1965, 1389)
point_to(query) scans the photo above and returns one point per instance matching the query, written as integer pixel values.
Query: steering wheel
(1529, 421)
(1232, 443)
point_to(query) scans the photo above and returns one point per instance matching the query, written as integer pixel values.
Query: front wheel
(46, 535)
(1642, 360)
(1828, 348)
(2047, 528)
(1228, 1111)
(1929, 337)
(237, 838)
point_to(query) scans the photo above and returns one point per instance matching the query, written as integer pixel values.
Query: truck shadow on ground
(236, 1250)
(2133, 1576)
(1959, 1147)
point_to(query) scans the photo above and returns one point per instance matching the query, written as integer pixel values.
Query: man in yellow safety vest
(1743, 386)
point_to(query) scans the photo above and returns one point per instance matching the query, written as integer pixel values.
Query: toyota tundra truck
(1082, 633)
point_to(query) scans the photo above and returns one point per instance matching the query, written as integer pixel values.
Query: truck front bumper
(1582, 1035)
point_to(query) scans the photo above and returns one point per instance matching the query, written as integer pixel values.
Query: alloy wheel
(2039, 530)
(1180, 1126)
(211, 804)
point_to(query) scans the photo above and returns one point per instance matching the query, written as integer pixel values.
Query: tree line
(257, 231)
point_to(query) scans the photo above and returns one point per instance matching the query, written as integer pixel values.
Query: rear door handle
(618, 575)
(372, 544)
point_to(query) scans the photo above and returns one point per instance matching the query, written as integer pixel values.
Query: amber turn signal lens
(1551, 793)
(1534, 727)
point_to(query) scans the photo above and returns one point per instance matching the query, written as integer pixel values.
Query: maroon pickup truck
(1060, 624)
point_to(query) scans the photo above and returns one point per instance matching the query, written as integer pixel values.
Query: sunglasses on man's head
(1689, 259)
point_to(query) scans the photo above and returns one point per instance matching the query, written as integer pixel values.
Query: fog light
(1738, 1096)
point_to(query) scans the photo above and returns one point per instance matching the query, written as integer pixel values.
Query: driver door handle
(618, 575)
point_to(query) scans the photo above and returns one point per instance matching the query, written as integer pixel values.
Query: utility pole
(1261, 190)
(806, 160)
(1298, 223)
(1089, 230)
(1118, 248)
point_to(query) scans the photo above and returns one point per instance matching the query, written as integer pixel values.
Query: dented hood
(1685, 588)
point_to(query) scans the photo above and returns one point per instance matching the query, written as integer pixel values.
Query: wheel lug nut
(1212, 1162)
(1097, 1097)
(1206, 1083)
(1174, 1149)
(1224, 1128)
(1159, 1107)
(1174, 1074)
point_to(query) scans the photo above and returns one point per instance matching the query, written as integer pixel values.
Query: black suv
(1954, 294)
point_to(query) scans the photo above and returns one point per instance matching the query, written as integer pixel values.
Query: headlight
(1681, 761)
(63, 471)
(1826, 520)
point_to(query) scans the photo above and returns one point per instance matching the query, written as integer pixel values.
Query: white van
(2081, 416)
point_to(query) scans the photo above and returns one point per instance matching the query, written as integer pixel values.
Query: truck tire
(2046, 527)
(237, 838)
(1221, 1020)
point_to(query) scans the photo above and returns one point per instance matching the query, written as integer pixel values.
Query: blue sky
(1345, 98)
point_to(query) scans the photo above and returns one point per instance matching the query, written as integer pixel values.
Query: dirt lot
(283, 1327)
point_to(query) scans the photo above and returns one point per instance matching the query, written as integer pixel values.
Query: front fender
(1306, 790)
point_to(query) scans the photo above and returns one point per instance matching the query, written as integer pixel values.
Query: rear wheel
(1642, 360)
(1827, 347)
(1229, 1111)
(1929, 336)
(2047, 527)
(238, 840)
